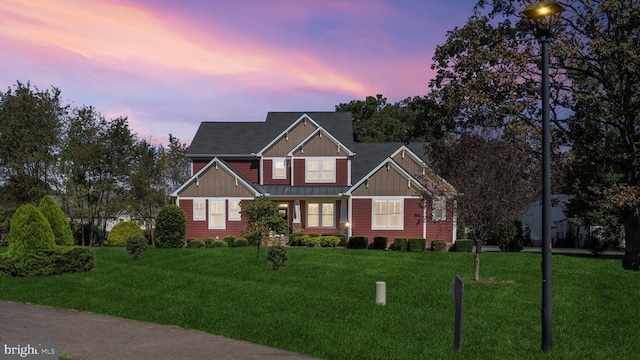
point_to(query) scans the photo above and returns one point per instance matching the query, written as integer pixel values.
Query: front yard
(323, 302)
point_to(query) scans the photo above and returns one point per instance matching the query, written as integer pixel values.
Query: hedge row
(48, 262)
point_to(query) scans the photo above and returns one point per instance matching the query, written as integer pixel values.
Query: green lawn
(323, 302)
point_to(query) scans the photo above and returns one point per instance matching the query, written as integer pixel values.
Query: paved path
(82, 335)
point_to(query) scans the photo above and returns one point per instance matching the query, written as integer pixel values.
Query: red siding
(250, 169)
(440, 230)
(268, 174)
(342, 173)
(198, 165)
(200, 229)
(361, 220)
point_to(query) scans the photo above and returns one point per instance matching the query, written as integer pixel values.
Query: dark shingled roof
(245, 138)
(370, 155)
(286, 190)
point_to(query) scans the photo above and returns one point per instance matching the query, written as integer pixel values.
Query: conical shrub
(30, 232)
(58, 221)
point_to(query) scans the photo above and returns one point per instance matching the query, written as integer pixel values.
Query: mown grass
(323, 302)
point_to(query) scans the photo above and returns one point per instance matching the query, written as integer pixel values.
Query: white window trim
(444, 208)
(373, 213)
(320, 161)
(273, 168)
(320, 214)
(224, 216)
(204, 209)
(229, 215)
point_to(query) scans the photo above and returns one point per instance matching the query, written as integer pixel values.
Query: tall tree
(177, 166)
(493, 179)
(488, 76)
(147, 193)
(31, 123)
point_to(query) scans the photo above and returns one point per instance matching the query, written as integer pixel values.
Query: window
(216, 214)
(387, 214)
(279, 168)
(234, 210)
(321, 170)
(198, 210)
(439, 210)
(320, 215)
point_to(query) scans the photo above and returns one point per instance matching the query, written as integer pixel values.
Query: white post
(381, 293)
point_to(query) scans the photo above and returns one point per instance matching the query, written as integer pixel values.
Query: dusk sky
(168, 65)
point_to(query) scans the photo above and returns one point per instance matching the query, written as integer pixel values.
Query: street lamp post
(543, 15)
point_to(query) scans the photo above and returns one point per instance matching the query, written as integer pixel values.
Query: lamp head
(543, 14)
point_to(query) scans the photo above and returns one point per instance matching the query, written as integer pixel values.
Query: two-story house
(322, 180)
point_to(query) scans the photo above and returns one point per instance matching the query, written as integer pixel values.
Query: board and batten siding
(289, 140)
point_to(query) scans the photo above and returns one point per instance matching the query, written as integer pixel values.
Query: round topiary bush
(240, 242)
(171, 225)
(122, 231)
(58, 221)
(29, 233)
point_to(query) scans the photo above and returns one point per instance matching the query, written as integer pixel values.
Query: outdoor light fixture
(544, 15)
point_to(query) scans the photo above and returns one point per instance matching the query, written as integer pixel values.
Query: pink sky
(168, 65)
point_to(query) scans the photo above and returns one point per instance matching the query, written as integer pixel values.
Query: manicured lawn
(323, 302)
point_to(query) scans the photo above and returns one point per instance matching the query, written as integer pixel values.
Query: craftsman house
(323, 181)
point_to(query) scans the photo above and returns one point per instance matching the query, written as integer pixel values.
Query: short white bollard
(381, 293)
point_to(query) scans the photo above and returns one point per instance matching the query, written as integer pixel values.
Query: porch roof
(304, 191)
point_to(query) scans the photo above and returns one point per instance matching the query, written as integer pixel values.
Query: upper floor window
(199, 210)
(320, 170)
(439, 209)
(387, 214)
(279, 168)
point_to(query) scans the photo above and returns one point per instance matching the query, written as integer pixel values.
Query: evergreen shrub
(229, 239)
(277, 256)
(400, 244)
(329, 241)
(417, 245)
(358, 242)
(380, 243)
(195, 243)
(240, 242)
(171, 225)
(48, 262)
(122, 231)
(136, 245)
(29, 233)
(219, 244)
(57, 220)
(253, 238)
(463, 245)
(438, 245)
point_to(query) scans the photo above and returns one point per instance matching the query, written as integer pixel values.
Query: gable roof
(223, 164)
(246, 138)
(370, 155)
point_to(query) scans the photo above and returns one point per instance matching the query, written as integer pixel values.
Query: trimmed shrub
(136, 245)
(195, 243)
(122, 231)
(311, 241)
(219, 244)
(380, 243)
(277, 256)
(417, 245)
(240, 242)
(29, 233)
(295, 239)
(48, 262)
(229, 239)
(57, 220)
(208, 242)
(343, 239)
(463, 245)
(358, 242)
(329, 241)
(438, 245)
(400, 244)
(171, 225)
(253, 238)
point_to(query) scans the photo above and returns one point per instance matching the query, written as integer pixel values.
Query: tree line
(93, 166)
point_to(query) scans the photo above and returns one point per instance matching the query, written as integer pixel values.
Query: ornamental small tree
(30, 232)
(58, 221)
(262, 218)
(171, 226)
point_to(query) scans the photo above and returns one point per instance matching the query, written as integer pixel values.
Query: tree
(488, 76)
(177, 165)
(493, 179)
(31, 122)
(57, 220)
(262, 218)
(30, 232)
(410, 120)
